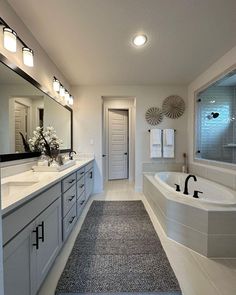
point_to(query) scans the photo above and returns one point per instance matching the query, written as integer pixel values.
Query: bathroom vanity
(37, 221)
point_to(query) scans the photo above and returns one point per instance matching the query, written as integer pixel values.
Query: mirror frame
(24, 75)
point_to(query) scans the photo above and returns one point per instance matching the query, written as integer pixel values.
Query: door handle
(36, 231)
(42, 226)
(125, 153)
(103, 156)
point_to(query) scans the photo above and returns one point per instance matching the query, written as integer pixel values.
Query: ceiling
(90, 40)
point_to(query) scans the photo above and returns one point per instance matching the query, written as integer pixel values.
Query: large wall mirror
(23, 107)
(216, 121)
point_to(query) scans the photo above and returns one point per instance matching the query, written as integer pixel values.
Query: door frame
(105, 140)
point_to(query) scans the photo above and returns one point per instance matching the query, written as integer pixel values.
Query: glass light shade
(28, 56)
(71, 100)
(139, 40)
(56, 85)
(62, 91)
(9, 39)
(67, 97)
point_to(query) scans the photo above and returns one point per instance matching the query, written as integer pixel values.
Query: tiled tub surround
(208, 230)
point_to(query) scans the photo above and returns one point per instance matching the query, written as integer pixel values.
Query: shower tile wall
(215, 134)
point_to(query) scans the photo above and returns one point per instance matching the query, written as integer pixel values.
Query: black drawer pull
(82, 185)
(81, 173)
(36, 244)
(81, 203)
(71, 181)
(42, 226)
(72, 219)
(91, 174)
(71, 198)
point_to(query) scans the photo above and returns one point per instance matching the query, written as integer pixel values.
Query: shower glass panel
(216, 121)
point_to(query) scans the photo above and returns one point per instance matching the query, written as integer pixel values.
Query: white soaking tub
(212, 193)
(206, 224)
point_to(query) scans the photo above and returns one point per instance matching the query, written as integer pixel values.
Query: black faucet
(186, 183)
(71, 154)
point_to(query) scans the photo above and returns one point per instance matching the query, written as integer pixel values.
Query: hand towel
(155, 143)
(169, 143)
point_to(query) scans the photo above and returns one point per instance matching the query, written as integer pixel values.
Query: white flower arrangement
(45, 141)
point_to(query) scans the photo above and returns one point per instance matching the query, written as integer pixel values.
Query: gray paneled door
(117, 144)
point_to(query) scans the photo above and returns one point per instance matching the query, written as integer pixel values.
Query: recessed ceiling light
(140, 40)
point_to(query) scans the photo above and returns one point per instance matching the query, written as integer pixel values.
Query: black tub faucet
(186, 183)
(71, 154)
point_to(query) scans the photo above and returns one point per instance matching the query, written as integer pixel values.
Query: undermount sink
(57, 168)
(13, 188)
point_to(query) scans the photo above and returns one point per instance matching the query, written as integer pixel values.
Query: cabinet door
(19, 263)
(89, 186)
(50, 238)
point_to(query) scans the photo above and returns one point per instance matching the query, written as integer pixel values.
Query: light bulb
(62, 91)
(71, 100)
(56, 85)
(28, 56)
(67, 97)
(140, 40)
(9, 39)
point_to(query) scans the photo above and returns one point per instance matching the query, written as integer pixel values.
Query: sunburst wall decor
(173, 107)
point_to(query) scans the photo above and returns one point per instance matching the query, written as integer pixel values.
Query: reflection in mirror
(216, 121)
(23, 107)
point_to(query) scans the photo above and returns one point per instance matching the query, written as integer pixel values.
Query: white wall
(88, 122)
(223, 173)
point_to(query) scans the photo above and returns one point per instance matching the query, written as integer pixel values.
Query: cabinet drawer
(69, 199)
(69, 221)
(68, 182)
(80, 173)
(88, 167)
(80, 204)
(14, 222)
(80, 186)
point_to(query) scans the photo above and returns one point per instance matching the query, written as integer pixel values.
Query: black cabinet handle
(71, 181)
(72, 219)
(91, 174)
(82, 185)
(71, 198)
(36, 231)
(42, 226)
(81, 173)
(81, 203)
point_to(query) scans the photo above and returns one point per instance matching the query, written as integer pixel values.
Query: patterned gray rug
(117, 252)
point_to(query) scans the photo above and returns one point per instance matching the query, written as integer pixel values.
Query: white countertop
(43, 181)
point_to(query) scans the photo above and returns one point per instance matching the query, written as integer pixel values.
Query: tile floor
(197, 274)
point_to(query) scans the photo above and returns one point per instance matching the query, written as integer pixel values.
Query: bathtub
(206, 224)
(212, 193)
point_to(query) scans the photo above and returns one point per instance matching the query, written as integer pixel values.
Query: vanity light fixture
(28, 56)
(56, 84)
(64, 96)
(10, 39)
(140, 40)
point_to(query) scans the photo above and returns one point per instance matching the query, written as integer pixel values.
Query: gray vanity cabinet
(19, 263)
(29, 255)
